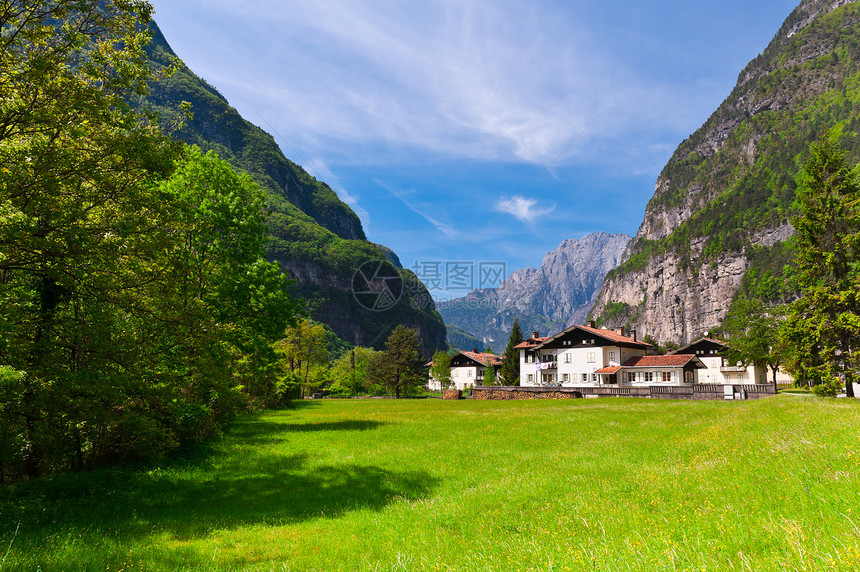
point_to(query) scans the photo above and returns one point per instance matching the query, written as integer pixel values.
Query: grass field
(606, 484)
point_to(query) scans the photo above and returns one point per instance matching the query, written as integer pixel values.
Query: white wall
(462, 377)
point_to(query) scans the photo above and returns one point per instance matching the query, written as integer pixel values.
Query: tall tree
(304, 348)
(441, 369)
(510, 372)
(398, 368)
(490, 377)
(753, 329)
(349, 371)
(78, 213)
(823, 324)
(131, 306)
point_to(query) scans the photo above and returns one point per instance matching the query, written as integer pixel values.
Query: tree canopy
(510, 372)
(137, 302)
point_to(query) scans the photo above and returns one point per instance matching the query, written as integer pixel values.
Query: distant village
(590, 357)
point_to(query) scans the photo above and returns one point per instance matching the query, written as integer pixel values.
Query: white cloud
(523, 208)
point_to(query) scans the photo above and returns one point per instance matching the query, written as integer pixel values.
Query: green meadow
(605, 484)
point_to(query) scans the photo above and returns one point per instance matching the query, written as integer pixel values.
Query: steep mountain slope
(315, 236)
(547, 299)
(719, 217)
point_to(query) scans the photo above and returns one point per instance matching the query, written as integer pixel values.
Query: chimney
(620, 331)
(592, 324)
(535, 334)
(475, 351)
(633, 334)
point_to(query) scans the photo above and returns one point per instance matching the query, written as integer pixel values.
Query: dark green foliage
(753, 331)
(461, 339)
(509, 374)
(399, 367)
(821, 329)
(771, 276)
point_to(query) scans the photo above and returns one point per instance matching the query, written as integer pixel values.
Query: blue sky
(476, 131)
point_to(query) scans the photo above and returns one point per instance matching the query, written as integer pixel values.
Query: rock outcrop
(548, 299)
(727, 192)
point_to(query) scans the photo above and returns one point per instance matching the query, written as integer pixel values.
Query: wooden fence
(696, 392)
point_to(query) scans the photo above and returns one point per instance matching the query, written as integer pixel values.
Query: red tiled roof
(612, 335)
(675, 360)
(611, 369)
(483, 358)
(530, 343)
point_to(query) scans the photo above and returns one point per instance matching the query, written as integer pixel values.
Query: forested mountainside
(719, 219)
(547, 299)
(316, 237)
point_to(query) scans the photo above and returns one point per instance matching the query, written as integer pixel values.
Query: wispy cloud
(523, 208)
(471, 79)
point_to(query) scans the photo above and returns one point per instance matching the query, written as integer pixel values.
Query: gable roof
(672, 360)
(686, 349)
(609, 335)
(483, 358)
(530, 343)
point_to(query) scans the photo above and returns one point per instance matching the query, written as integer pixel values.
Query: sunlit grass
(607, 484)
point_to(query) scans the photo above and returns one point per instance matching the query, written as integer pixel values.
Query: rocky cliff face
(547, 299)
(727, 191)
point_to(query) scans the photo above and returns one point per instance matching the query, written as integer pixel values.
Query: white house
(718, 370)
(676, 369)
(468, 369)
(573, 357)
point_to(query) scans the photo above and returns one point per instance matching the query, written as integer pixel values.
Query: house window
(649, 377)
(531, 378)
(469, 373)
(611, 356)
(566, 358)
(631, 377)
(591, 358)
(548, 378)
(566, 377)
(593, 377)
(667, 377)
(456, 373)
(529, 357)
(585, 378)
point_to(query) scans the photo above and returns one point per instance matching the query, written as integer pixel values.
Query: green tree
(441, 369)
(822, 325)
(753, 329)
(304, 349)
(80, 232)
(349, 371)
(134, 309)
(510, 372)
(490, 377)
(398, 368)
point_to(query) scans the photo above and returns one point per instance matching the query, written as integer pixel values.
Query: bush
(830, 388)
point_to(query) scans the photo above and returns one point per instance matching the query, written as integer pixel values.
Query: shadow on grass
(204, 490)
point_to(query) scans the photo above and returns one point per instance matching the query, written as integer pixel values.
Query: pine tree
(510, 372)
(822, 325)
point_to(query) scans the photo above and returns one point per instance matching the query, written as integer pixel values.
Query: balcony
(548, 365)
(733, 369)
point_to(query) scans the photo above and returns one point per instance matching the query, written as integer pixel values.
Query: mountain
(548, 299)
(315, 236)
(719, 220)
